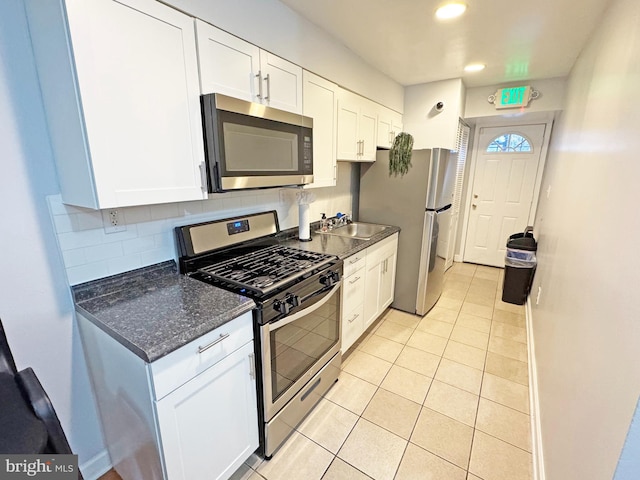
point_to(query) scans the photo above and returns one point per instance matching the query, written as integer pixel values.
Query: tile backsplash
(89, 252)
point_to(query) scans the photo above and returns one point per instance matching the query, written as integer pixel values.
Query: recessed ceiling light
(474, 67)
(450, 10)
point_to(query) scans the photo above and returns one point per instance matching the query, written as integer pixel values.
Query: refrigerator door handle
(425, 250)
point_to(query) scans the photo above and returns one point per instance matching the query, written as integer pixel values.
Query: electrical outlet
(539, 294)
(113, 221)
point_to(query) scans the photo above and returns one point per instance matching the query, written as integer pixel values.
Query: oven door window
(297, 346)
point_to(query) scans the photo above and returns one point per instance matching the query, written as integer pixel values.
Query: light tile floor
(443, 397)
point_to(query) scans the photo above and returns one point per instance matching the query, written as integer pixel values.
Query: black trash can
(519, 266)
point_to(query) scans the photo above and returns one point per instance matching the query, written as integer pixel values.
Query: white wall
(586, 327)
(552, 94)
(275, 27)
(429, 127)
(35, 302)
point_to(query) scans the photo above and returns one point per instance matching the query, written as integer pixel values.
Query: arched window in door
(509, 142)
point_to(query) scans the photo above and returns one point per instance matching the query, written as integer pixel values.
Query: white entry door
(507, 161)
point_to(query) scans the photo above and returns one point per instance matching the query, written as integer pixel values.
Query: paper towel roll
(304, 233)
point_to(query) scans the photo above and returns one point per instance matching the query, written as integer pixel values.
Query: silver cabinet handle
(351, 262)
(252, 366)
(215, 342)
(361, 147)
(268, 80)
(351, 320)
(259, 77)
(351, 282)
(203, 176)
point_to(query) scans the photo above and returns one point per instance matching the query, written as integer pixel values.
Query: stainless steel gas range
(297, 315)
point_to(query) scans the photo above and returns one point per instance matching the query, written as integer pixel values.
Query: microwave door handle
(259, 77)
(298, 315)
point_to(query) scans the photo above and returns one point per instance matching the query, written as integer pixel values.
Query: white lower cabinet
(190, 415)
(380, 279)
(209, 426)
(353, 299)
(368, 286)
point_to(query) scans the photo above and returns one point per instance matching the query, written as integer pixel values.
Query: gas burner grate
(266, 269)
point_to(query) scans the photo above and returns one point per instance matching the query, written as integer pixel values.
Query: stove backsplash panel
(89, 252)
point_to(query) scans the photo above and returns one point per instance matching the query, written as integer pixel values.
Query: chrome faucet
(339, 220)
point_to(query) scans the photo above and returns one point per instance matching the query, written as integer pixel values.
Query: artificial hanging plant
(400, 154)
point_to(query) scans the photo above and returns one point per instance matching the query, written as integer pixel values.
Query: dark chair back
(7, 365)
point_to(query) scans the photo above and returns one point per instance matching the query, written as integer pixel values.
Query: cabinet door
(367, 127)
(228, 65)
(209, 426)
(320, 103)
(281, 83)
(384, 132)
(353, 292)
(137, 75)
(352, 327)
(371, 293)
(389, 125)
(348, 147)
(387, 281)
(396, 126)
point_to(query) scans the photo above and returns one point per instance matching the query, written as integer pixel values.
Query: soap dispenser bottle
(324, 223)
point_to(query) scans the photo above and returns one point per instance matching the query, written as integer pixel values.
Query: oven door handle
(298, 315)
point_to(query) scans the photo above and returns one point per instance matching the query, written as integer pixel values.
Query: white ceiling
(517, 40)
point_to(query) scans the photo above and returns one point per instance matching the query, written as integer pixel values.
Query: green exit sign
(513, 97)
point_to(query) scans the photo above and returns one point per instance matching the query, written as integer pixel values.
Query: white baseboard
(96, 466)
(534, 404)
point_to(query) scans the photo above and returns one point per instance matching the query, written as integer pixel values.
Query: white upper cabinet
(231, 66)
(228, 64)
(389, 125)
(320, 102)
(357, 123)
(120, 87)
(281, 83)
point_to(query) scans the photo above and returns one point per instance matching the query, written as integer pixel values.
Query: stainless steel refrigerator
(420, 204)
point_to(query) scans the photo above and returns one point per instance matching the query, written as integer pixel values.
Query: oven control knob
(331, 278)
(293, 300)
(282, 306)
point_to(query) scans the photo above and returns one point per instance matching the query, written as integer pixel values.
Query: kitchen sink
(361, 231)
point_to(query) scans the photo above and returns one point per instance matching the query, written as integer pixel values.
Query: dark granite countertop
(343, 247)
(155, 310)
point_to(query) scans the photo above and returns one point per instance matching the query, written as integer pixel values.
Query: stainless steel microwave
(249, 145)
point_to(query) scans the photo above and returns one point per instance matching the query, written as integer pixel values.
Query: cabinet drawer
(353, 290)
(177, 368)
(352, 327)
(354, 262)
